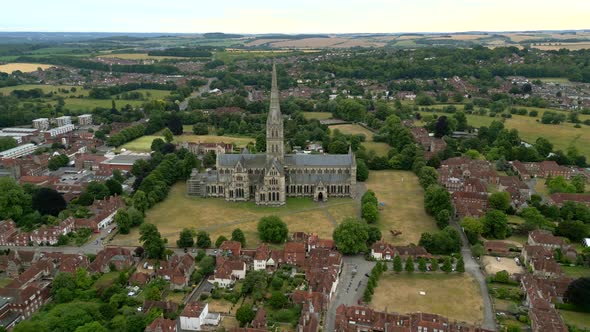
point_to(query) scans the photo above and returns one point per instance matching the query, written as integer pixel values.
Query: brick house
(384, 251)
(7, 231)
(177, 270)
(231, 248)
(560, 198)
(162, 325)
(51, 235)
(294, 253)
(119, 258)
(227, 271)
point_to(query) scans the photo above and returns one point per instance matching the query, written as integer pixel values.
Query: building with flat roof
(60, 130)
(123, 161)
(63, 120)
(41, 123)
(19, 151)
(85, 119)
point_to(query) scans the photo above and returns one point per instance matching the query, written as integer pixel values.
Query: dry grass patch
(24, 67)
(353, 129)
(492, 265)
(176, 297)
(558, 46)
(221, 306)
(218, 217)
(380, 148)
(342, 211)
(317, 115)
(403, 209)
(452, 295)
(144, 143)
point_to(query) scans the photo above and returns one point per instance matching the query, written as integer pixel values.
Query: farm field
(144, 143)
(403, 209)
(24, 67)
(317, 115)
(136, 56)
(400, 293)
(558, 46)
(80, 91)
(150, 93)
(217, 217)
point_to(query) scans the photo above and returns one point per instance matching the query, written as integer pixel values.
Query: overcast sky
(301, 16)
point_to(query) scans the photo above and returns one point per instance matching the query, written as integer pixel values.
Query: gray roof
(302, 160)
(248, 160)
(315, 178)
(126, 159)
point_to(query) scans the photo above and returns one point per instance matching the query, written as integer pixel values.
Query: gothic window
(261, 197)
(231, 194)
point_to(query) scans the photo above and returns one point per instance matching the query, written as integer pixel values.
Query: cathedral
(269, 178)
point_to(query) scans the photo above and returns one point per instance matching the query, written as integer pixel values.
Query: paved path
(350, 288)
(474, 269)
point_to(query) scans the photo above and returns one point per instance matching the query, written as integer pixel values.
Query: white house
(196, 314)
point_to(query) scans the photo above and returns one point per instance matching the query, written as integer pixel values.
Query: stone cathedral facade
(269, 178)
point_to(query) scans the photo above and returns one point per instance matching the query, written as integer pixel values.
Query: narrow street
(184, 104)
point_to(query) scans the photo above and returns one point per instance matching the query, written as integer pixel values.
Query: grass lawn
(515, 220)
(354, 129)
(562, 135)
(541, 188)
(80, 91)
(106, 280)
(404, 206)
(576, 271)
(144, 143)
(218, 217)
(578, 319)
(176, 297)
(317, 115)
(86, 104)
(400, 293)
(151, 93)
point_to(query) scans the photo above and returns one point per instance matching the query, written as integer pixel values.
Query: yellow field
(403, 209)
(24, 67)
(218, 217)
(459, 298)
(137, 56)
(353, 129)
(558, 46)
(317, 115)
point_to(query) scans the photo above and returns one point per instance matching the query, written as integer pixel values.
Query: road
(473, 268)
(350, 288)
(184, 104)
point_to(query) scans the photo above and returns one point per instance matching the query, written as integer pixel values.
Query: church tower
(275, 144)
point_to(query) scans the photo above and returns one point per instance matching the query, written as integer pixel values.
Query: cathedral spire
(275, 108)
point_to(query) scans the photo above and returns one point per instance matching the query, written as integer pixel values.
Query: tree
(578, 293)
(272, 229)
(433, 264)
(158, 143)
(7, 143)
(442, 218)
(201, 128)
(397, 264)
(543, 146)
(14, 202)
(444, 242)
(436, 199)
(175, 125)
(495, 224)
(48, 201)
(558, 184)
(58, 161)
(575, 230)
(473, 228)
(168, 137)
(245, 314)
(351, 236)
(502, 276)
(140, 201)
(370, 213)
(277, 300)
(362, 171)
(374, 235)
(185, 239)
(152, 241)
(409, 264)
(442, 127)
(91, 327)
(579, 182)
(500, 201)
(115, 187)
(447, 267)
(220, 240)
(427, 176)
(460, 266)
(97, 190)
(422, 264)
(135, 216)
(238, 235)
(123, 221)
(203, 240)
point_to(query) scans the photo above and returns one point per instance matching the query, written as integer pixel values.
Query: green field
(400, 293)
(150, 93)
(317, 115)
(144, 143)
(80, 91)
(576, 271)
(218, 217)
(354, 129)
(86, 104)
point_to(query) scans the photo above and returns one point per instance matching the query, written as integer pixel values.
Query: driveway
(350, 288)
(473, 268)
